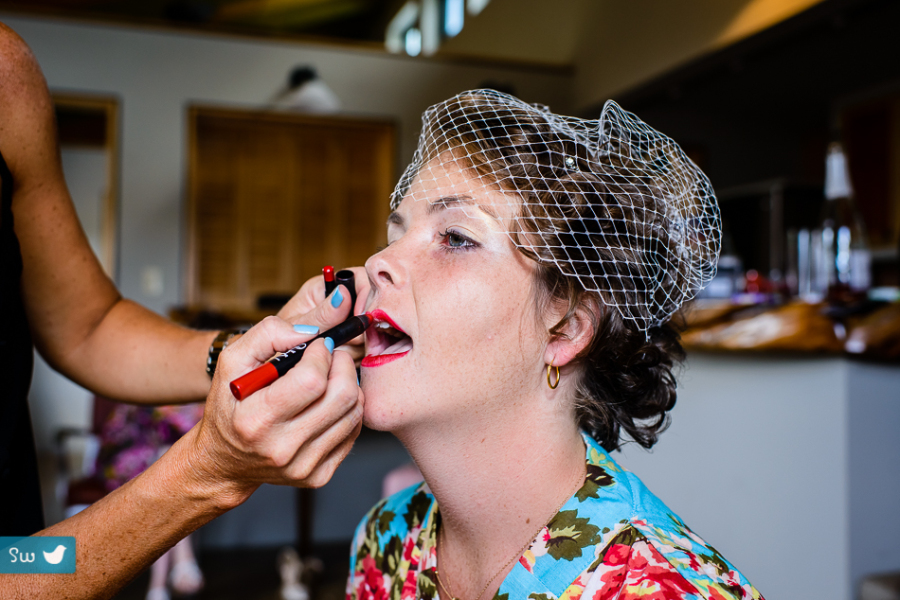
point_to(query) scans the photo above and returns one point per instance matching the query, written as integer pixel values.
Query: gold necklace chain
(580, 479)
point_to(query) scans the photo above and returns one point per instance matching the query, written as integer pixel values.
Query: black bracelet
(219, 344)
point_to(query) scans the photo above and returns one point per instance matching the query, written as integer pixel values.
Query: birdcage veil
(611, 202)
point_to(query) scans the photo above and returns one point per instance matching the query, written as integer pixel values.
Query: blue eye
(453, 241)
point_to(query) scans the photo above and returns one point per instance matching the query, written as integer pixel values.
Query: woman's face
(454, 284)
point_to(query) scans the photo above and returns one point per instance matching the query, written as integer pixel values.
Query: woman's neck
(496, 484)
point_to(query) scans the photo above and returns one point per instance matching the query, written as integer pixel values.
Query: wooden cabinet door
(274, 197)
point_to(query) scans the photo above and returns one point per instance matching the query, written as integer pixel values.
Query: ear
(572, 340)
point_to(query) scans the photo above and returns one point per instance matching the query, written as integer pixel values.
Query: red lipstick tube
(330, 283)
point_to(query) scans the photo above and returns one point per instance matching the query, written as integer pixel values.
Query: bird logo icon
(55, 557)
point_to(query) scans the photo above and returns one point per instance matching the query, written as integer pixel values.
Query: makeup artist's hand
(294, 432)
(310, 296)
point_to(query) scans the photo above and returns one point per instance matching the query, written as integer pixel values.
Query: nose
(385, 268)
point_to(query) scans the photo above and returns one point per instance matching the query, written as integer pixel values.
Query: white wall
(87, 178)
(789, 466)
(874, 461)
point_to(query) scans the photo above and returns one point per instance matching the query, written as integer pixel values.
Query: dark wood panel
(274, 197)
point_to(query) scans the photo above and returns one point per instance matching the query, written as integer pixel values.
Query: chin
(380, 412)
(380, 420)
(375, 424)
(397, 401)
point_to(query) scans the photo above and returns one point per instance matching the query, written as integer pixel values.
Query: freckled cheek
(470, 336)
(460, 308)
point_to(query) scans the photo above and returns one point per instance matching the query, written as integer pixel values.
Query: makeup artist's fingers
(309, 468)
(245, 425)
(307, 298)
(300, 389)
(259, 344)
(305, 402)
(332, 311)
(313, 291)
(300, 426)
(326, 467)
(309, 437)
(356, 348)
(340, 399)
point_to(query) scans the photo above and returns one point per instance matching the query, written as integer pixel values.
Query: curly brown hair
(626, 378)
(584, 220)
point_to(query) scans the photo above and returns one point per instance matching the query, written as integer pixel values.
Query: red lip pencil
(278, 365)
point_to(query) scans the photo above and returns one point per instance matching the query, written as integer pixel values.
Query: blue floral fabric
(613, 539)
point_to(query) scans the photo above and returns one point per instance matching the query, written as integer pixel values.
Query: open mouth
(385, 341)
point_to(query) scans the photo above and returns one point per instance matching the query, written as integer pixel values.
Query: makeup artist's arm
(79, 321)
(294, 432)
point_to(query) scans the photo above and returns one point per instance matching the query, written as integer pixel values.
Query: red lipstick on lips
(376, 360)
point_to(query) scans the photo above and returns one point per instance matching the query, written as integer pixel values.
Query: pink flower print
(541, 543)
(408, 592)
(372, 584)
(651, 577)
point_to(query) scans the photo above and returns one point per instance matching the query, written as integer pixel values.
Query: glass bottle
(847, 259)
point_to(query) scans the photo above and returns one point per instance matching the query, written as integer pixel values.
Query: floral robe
(133, 437)
(612, 539)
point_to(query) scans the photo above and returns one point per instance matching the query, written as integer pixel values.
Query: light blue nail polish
(357, 378)
(337, 298)
(329, 343)
(307, 329)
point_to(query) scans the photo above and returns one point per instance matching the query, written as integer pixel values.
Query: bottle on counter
(845, 249)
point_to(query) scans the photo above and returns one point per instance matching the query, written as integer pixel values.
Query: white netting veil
(611, 202)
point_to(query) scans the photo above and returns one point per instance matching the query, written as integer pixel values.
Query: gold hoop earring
(552, 385)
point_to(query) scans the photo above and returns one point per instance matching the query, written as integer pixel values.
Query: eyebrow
(443, 203)
(395, 218)
(446, 202)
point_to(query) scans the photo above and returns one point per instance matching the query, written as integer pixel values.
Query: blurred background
(220, 152)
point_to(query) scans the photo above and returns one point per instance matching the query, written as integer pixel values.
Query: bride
(521, 335)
